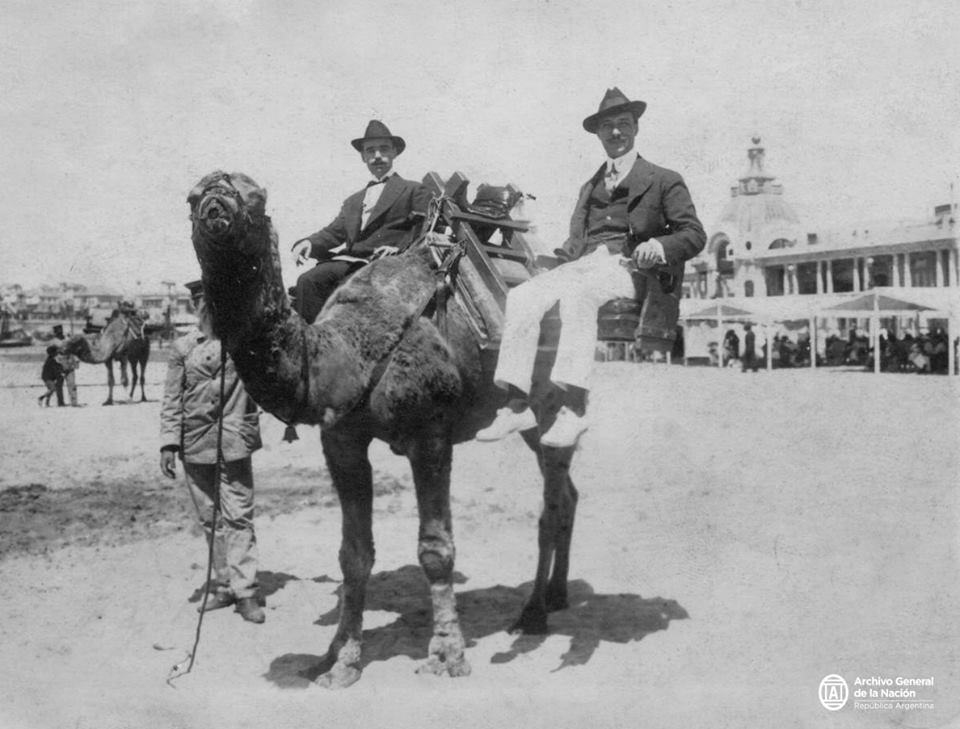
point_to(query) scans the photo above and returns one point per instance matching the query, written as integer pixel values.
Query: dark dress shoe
(250, 610)
(216, 600)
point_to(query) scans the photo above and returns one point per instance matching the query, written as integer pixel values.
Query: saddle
(487, 270)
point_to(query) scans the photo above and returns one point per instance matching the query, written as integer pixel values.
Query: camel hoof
(339, 677)
(439, 666)
(446, 656)
(108, 402)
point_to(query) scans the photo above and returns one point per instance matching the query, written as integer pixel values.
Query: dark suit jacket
(658, 206)
(391, 221)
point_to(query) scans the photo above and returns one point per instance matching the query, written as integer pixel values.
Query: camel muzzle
(217, 215)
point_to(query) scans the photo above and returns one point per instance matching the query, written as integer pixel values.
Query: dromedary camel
(123, 340)
(371, 366)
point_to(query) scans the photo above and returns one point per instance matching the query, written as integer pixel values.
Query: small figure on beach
(52, 376)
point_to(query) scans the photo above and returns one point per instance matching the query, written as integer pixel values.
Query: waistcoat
(607, 222)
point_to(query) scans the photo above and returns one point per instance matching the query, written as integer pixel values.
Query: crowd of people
(923, 353)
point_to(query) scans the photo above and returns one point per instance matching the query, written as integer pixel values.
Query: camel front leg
(430, 458)
(133, 379)
(353, 479)
(554, 536)
(110, 382)
(143, 381)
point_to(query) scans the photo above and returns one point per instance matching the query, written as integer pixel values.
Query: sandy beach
(739, 538)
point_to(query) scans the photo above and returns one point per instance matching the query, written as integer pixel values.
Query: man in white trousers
(629, 209)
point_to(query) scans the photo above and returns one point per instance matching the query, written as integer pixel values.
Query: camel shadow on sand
(590, 620)
(270, 582)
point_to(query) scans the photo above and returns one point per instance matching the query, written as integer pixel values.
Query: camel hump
(373, 309)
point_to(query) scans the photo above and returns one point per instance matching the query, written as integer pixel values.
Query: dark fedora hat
(376, 129)
(613, 102)
(195, 288)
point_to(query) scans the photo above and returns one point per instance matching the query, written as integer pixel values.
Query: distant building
(758, 248)
(99, 297)
(761, 253)
(158, 305)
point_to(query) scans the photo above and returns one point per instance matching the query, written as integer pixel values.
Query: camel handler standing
(188, 425)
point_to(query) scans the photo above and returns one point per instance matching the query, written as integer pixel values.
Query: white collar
(374, 181)
(623, 163)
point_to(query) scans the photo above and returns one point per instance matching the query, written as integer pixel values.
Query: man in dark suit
(749, 349)
(379, 220)
(630, 213)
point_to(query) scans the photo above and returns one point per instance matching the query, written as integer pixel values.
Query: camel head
(223, 208)
(237, 249)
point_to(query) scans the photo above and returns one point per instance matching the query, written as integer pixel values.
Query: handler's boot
(250, 610)
(217, 600)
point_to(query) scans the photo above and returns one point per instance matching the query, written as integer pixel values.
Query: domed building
(756, 219)
(760, 254)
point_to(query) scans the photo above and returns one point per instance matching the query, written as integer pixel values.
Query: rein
(177, 671)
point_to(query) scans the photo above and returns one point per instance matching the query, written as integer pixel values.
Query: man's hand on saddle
(383, 252)
(649, 254)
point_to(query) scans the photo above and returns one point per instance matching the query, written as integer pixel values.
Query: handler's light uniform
(189, 422)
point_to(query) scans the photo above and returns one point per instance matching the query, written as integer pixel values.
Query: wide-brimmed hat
(613, 102)
(378, 130)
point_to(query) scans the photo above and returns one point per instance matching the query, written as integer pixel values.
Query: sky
(111, 111)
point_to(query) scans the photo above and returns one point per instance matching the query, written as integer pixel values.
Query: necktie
(376, 182)
(611, 179)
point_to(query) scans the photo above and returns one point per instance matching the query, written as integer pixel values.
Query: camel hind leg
(138, 377)
(352, 476)
(140, 358)
(134, 379)
(143, 375)
(430, 458)
(555, 534)
(124, 380)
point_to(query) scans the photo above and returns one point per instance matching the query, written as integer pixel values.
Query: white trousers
(581, 287)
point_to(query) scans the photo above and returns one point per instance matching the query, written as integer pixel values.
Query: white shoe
(565, 430)
(507, 422)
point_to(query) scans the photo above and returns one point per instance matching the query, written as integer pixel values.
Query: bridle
(241, 219)
(221, 186)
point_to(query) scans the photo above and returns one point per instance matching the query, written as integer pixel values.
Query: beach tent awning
(724, 312)
(876, 303)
